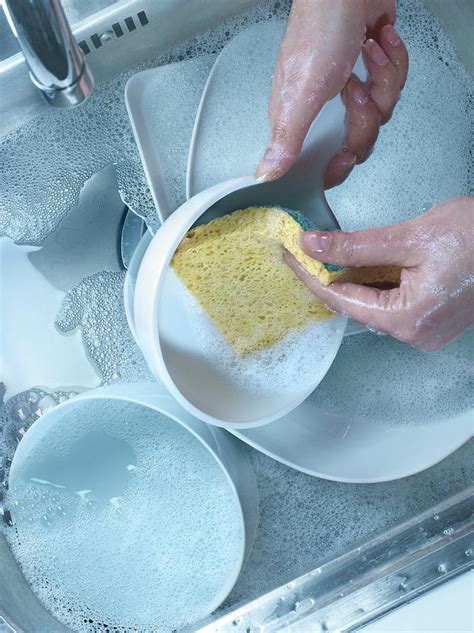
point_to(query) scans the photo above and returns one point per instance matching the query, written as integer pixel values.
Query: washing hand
(435, 300)
(321, 45)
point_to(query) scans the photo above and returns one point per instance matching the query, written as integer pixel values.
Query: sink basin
(305, 521)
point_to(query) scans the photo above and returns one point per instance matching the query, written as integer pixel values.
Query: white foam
(32, 352)
(56, 153)
(422, 156)
(294, 362)
(154, 543)
(96, 307)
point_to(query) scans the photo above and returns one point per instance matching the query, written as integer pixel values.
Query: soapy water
(423, 156)
(393, 185)
(416, 182)
(19, 413)
(103, 501)
(381, 379)
(59, 151)
(306, 353)
(96, 307)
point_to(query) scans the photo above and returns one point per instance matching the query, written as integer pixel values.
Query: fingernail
(375, 53)
(357, 93)
(392, 36)
(265, 170)
(270, 166)
(315, 242)
(348, 159)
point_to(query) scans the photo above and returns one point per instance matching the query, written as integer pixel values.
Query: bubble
(96, 306)
(271, 370)
(422, 156)
(57, 152)
(162, 538)
(401, 385)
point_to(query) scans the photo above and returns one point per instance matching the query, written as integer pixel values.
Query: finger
(363, 122)
(384, 79)
(291, 119)
(340, 166)
(379, 14)
(378, 309)
(363, 119)
(388, 245)
(316, 57)
(396, 51)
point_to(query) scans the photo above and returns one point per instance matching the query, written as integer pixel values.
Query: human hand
(435, 300)
(318, 52)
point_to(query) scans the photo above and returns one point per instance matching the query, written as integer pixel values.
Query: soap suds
(133, 542)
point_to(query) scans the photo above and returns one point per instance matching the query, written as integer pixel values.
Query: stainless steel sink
(114, 37)
(145, 28)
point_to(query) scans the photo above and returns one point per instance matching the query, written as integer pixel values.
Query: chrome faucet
(57, 65)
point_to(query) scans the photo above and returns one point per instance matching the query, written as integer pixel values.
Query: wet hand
(435, 300)
(321, 45)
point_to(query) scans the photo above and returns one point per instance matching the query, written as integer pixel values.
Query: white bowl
(160, 321)
(222, 448)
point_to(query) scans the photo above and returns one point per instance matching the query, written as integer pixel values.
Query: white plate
(340, 449)
(161, 133)
(337, 447)
(164, 333)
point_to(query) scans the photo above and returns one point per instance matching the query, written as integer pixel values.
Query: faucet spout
(57, 65)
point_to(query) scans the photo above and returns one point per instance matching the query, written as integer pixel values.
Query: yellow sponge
(235, 269)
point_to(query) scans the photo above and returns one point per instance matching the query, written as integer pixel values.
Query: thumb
(290, 125)
(389, 245)
(378, 309)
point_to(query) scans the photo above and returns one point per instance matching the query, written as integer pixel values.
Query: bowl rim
(135, 393)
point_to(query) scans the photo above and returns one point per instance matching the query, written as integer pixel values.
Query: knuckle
(384, 106)
(387, 300)
(410, 333)
(364, 146)
(343, 245)
(358, 123)
(404, 324)
(385, 94)
(286, 142)
(386, 77)
(279, 132)
(372, 113)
